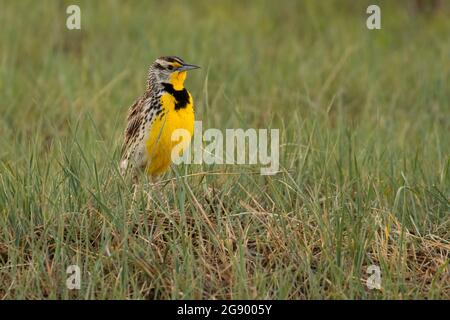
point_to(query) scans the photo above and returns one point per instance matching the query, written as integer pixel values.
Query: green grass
(364, 118)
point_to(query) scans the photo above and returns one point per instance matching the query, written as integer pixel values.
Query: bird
(165, 106)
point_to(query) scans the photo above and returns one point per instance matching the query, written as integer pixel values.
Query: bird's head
(170, 69)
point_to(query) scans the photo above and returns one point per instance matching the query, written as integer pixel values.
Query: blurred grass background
(364, 119)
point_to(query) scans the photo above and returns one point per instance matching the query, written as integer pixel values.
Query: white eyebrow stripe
(178, 60)
(162, 62)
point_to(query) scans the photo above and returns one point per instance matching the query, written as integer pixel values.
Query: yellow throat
(177, 80)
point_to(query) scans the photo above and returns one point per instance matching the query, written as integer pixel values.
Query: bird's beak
(186, 67)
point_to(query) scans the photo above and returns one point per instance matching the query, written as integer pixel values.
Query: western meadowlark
(165, 106)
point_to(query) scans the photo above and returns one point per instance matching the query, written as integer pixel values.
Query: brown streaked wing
(134, 121)
(135, 108)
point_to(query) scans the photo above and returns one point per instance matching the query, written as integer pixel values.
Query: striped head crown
(164, 68)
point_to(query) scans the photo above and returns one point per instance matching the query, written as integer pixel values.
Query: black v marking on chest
(181, 96)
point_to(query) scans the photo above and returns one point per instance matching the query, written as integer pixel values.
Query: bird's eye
(170, 67)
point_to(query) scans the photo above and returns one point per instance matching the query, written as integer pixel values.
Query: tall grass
(364, 118)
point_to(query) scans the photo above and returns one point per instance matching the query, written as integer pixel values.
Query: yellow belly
(159, 145)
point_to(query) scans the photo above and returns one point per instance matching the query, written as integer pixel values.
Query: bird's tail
(123, 166)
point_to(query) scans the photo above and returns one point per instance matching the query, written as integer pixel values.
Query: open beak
(186, 67)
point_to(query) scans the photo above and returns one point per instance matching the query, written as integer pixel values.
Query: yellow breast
(159, 145)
